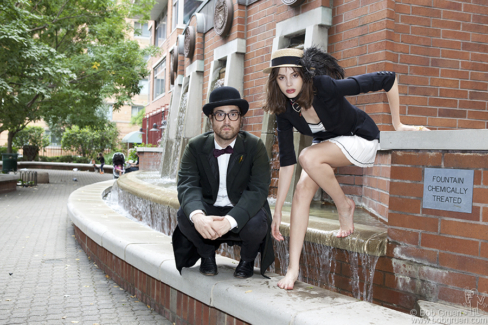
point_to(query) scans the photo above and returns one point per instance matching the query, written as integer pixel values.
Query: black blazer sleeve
(355, 85)
(189, 188)
(285, 141)
(375, 81)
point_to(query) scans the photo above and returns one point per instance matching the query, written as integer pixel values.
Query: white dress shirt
(222, 196)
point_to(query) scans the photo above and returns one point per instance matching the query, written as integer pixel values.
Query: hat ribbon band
(284, 60)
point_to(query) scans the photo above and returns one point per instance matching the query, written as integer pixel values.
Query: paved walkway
(45, 277)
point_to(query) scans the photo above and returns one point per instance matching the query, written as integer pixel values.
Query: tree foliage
(88, 141)
(60, 59)
(33, 136)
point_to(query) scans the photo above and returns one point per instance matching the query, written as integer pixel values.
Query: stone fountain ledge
(256, 300)
(58, 166)
(365, 239)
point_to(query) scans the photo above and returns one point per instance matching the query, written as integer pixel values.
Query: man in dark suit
(223, 185)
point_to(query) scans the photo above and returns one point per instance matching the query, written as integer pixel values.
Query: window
(144, 85)
(141, 30)
(159, 79)
(190, 6)
(175, 14)
(151, 35)
(160, 25)
(172, 77)
(55, 140)
(110, 112)
(136, 110)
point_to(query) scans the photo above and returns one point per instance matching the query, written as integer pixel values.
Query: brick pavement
(45, 277)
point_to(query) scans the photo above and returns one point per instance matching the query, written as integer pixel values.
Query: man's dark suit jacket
(248, 179)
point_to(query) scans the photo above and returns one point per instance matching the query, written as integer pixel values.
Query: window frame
(161, 28)
(156, 72)
(175, 13)
(142, 27)
(140, 108)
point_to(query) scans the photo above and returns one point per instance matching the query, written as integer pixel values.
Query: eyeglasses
(220, 116)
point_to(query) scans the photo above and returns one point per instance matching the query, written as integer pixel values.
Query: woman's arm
(394, 100)
(285, 177)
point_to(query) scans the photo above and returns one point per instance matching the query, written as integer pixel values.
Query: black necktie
(218, 152)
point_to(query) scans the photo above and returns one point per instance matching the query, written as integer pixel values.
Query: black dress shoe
(244, 270)
(208, 266)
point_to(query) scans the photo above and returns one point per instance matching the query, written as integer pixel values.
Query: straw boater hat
(285, 58)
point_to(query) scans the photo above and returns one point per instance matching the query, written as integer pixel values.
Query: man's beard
(226, 135)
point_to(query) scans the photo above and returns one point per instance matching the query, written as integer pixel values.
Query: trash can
(9, 162)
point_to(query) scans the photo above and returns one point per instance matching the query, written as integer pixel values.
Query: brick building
(438, 49)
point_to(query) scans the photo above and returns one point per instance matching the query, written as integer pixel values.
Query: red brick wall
(454, 244)
(433, 255)
(152, 292)
(438, 47)
(6, 187)
(150, 161)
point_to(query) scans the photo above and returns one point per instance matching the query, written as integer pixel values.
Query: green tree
(33, 136)
(87, 141)
(60, 59)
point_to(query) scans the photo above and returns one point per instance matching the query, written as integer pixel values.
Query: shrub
(88, 141)
(4, 149)
(66, 159)
(31, 136)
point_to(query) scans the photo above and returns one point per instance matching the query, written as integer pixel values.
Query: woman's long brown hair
(275, 101)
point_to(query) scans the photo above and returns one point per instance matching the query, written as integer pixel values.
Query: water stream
(318, 263)
(172, 147)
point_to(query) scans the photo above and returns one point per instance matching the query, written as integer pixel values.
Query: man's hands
(211, 227)
(221, 225)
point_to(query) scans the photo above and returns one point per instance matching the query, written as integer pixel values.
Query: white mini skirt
(359, 151)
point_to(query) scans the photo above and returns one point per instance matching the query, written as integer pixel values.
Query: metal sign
(448, 189)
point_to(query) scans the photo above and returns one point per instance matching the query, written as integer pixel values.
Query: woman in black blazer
(306, 91)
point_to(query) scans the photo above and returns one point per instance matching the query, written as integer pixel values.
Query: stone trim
(149, 149)
(57, 166)
(435, 140)
(237, 45)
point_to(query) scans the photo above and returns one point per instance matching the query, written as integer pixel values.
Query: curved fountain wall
(321, 262)
(141, 261)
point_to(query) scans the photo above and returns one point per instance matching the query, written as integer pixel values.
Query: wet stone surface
(45, 277)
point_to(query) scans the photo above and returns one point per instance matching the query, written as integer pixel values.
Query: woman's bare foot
(288, 281)
(404, 127)
(346, 220)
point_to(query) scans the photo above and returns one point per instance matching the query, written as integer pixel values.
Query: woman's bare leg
(300, 211)
(319, 162)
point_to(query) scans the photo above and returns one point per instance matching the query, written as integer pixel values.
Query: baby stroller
(118, 161)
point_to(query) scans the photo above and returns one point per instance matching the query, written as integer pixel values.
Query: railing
(57, 151)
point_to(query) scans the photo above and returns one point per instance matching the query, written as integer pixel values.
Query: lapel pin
(240, 159)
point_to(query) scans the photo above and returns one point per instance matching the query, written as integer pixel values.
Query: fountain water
(368, 264)
(318, 261)
(173, 139)
(156, 216)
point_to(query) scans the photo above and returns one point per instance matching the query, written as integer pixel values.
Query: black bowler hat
(224, 96)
